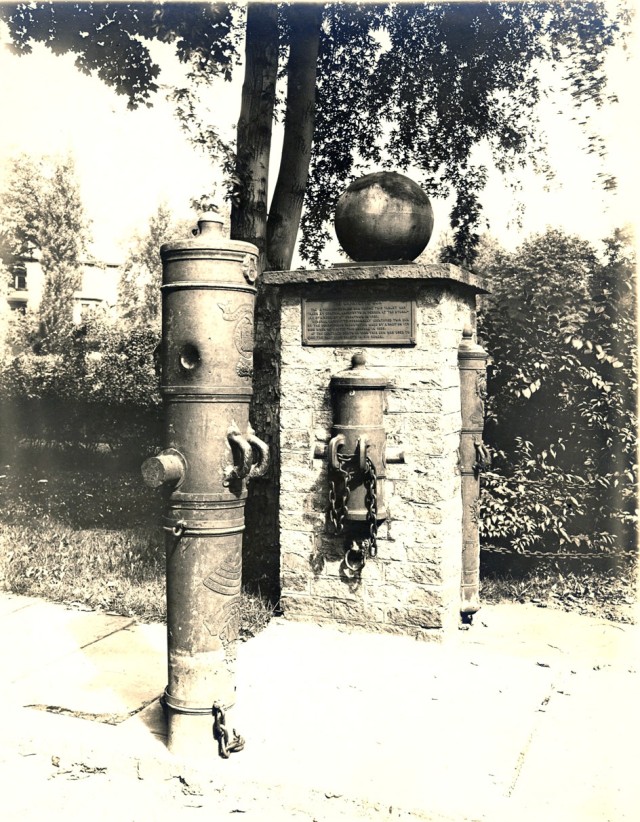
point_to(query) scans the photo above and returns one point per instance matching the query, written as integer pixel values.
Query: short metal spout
(167, 467)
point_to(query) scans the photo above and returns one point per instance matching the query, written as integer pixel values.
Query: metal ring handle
(236, 439)
(334, 444)
(361, 453)
(177, 530)
(359, 553)
(483, 455)
(258, 469)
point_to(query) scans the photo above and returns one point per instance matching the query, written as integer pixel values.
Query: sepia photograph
(319, 410)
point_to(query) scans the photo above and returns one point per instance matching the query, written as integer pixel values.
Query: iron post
(210, 452)
(472, 362)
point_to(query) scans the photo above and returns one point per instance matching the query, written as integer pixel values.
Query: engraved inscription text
(358, 322)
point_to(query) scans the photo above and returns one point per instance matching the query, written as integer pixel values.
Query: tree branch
(288, 196)
(249, 207)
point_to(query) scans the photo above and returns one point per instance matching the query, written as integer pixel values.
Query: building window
(90, 309)
(19, 278)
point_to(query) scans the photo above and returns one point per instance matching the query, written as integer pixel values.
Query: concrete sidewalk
(530, 714)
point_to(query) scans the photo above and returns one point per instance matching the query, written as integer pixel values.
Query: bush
(559, 326)
(101, 391)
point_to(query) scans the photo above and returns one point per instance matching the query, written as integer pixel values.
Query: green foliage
(42, 209)
(405, 85)
(118, 571)
(41, 212)
(81, 531)
(419, 85)
(559, 326)
(86, 532)
(118, 367)
(103, 364)
(109, 38)
(77, 490)
(101, 390)
(141, 277)
(607, 594)
(16, 327)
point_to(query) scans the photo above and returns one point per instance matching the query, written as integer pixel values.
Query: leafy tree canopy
(413, 86)
(109, 38)
(41, 210)
(141, 276)
(560, 327)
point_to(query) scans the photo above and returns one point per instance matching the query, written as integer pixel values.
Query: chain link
(221, 734)
(339, 493)
(333, 511)
(355, 556)
(338, 510)
(524, 552)
(371, 502)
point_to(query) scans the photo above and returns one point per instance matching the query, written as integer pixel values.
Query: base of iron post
(470, 599)
(190, 736)
(468, 608)
(190, 731)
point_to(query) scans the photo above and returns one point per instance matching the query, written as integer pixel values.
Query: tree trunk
(249, 208)
(288, 196)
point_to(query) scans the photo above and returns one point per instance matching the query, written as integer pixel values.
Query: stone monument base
(409, 321)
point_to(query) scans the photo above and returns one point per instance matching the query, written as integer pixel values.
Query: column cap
(437, 272)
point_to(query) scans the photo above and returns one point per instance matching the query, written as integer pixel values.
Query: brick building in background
(97, 295)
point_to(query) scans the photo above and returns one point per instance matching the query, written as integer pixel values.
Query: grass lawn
(608, 594)
(82, 529)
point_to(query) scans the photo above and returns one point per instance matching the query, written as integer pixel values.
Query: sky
(130, 161)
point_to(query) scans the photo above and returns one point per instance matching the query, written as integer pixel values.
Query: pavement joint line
(55, 660)
(105, 719)
(520, 762)
(507, 784)
(111, 633)
(535, 727)
(22, 607)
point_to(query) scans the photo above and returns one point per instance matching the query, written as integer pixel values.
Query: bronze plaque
(358, 322)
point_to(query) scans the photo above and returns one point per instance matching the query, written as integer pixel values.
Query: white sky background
(128, 162)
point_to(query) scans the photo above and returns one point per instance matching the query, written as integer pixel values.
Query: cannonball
(383, 217)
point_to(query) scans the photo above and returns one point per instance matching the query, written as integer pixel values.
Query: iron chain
(338, 509)
(221, 734)
(355, 556)
(333, 510)
(524, 552)
(355, 552)
(371, 502)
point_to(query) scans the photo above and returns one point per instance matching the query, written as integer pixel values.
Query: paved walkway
(531, 714)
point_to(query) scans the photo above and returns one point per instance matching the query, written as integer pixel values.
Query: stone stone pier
(412, 586)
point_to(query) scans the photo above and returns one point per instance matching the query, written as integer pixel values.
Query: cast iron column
(472, 361)
(208, 296)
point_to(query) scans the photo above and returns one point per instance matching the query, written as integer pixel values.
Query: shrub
(102, 390)
(559, 326)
